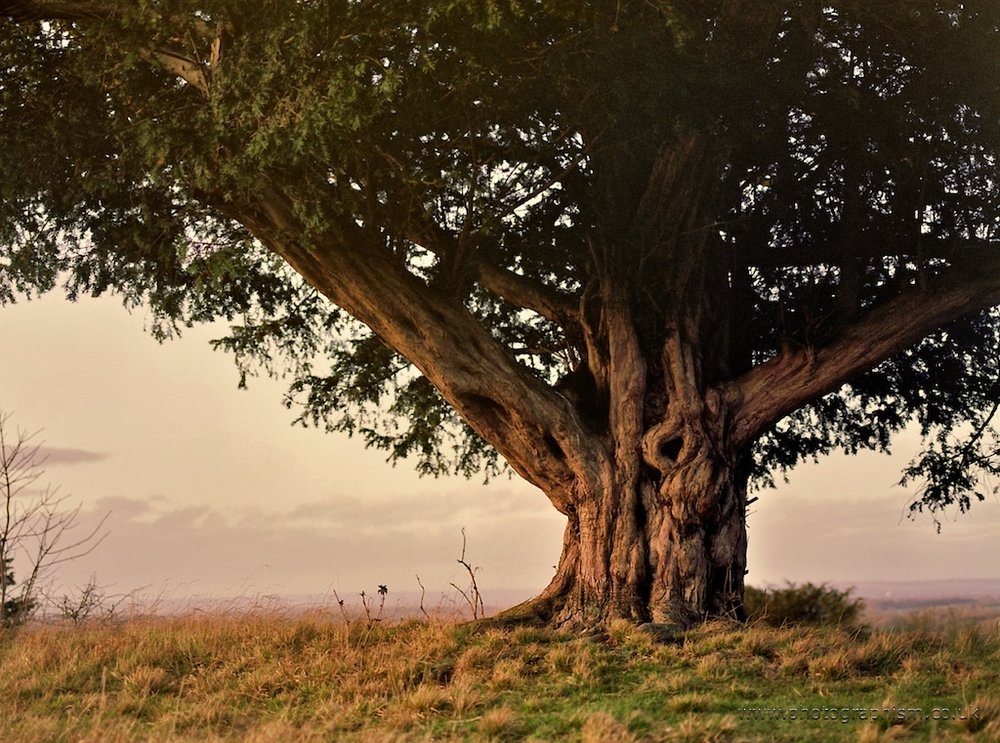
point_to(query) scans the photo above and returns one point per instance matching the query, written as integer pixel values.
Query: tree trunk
(656, 532)
(667, 546)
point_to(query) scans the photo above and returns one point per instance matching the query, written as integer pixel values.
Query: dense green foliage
(861, 159)
(802, 604)
(15, 609)
(9, 607)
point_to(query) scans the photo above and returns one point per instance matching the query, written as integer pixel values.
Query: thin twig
(476, 600)
(423, 592)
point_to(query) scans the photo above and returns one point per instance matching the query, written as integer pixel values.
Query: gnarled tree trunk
(659, 539)
(656, 529)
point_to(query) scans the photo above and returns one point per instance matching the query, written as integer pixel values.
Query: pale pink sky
(212, 492)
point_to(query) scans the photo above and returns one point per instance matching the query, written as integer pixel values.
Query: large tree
(647, 251)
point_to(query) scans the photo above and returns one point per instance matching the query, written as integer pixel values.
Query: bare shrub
(36, 525)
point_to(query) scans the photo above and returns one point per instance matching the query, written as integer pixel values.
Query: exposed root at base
(557, 612)
(536, 612)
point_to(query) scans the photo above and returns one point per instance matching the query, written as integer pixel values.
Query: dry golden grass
(273, 677)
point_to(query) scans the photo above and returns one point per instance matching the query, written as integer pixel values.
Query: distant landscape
(934, 591)
(886, 602)
(931, 604)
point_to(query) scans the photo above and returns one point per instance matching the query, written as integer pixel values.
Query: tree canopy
(466, 227)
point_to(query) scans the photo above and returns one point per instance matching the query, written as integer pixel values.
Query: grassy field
(266, 676)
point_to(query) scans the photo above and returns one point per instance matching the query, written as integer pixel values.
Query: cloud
(867, 539)
(348, 544)
(54, 455)
(424, 511)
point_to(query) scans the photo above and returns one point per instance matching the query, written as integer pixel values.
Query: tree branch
(189, 70)
(519, 290)
(532, 426)
(80, 10)
(772, 390)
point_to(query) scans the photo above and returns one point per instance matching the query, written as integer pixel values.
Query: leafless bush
(37, 525)
(92, 602)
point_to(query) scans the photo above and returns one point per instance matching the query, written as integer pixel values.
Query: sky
(210, 491)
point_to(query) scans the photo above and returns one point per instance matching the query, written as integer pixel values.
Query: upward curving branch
(772, 390)
(519, 290)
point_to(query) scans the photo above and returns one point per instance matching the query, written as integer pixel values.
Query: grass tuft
(499, 723)
(602, 727)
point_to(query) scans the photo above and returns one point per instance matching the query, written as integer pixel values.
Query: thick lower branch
(772, 390)
(534, 428)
